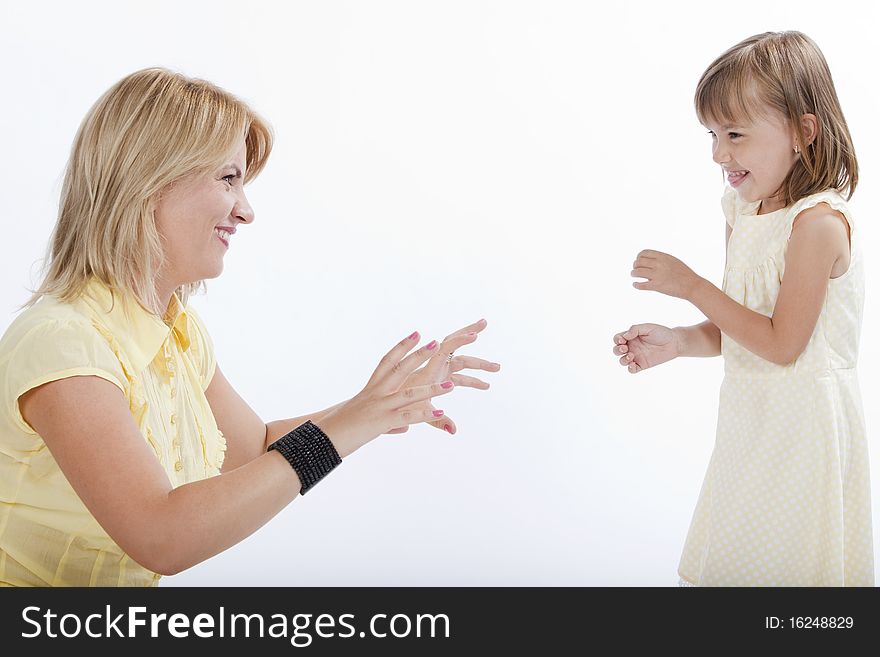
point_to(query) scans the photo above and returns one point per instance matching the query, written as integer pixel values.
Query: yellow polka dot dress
(786, 499)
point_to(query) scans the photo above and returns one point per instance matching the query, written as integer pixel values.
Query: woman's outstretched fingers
(409, 396)
(409, 416)
(476, 327)
(473, 363)
(409, 364)
(391, 361)
(446, 424)
(469, 382)
(448, 346)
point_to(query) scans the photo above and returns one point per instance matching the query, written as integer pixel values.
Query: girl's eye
(734, 135)
(229, 178)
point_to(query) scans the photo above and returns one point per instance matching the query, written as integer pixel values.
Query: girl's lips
(223, 241)
(735, 178)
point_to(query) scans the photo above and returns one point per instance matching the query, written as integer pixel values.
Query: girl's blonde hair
(786, 72)
(149, 129)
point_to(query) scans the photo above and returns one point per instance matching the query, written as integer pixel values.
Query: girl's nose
(720, 154)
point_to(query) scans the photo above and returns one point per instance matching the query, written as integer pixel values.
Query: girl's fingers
(473, 363)
(634, 368)
(620, 349)
(627, 359)
(636, 331)
(408, 396)
(641, 272)
(469, 382)
(392, 358)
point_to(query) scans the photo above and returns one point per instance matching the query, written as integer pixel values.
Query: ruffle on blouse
(137, 399)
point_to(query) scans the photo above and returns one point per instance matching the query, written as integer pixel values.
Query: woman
(125, 454)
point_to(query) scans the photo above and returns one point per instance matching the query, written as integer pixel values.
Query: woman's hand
(664, 274)
(441, 368)
(387, 401)
(646, 345)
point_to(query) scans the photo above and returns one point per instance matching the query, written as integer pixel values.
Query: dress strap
(830, 196)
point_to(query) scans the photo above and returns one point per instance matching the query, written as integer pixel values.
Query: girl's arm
(647, 345)
(818, 241)
(698, 340)
(704, 339)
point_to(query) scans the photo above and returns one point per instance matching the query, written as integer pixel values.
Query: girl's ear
(809, 128)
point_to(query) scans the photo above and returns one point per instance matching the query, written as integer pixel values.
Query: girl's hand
(646, 345)
(440, 368)
(387, 401)
(664, 274)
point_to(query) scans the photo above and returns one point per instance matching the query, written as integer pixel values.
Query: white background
(437, 163)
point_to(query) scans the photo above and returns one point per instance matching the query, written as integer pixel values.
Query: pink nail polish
(446, 385)
(446, 427)
(414, 336)
(438, 413)
(431, 345)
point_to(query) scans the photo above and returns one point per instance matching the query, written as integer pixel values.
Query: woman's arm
(86, 423)
(818, 240)
(247, 436)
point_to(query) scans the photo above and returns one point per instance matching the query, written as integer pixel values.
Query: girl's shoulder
(733, 207)
(830, 197)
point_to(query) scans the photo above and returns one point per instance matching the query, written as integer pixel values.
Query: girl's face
(195, 218)
(756, 156)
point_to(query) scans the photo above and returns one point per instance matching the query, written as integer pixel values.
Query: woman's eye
(229, 178)
(734, 135)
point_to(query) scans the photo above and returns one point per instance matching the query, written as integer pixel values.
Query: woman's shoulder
(47, 315)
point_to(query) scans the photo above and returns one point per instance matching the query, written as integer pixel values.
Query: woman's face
(195, 218)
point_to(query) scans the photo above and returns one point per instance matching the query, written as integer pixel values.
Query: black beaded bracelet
(309, 452)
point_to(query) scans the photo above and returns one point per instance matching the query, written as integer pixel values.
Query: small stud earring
(797, 150)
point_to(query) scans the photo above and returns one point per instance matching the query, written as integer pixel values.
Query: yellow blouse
(47, 535)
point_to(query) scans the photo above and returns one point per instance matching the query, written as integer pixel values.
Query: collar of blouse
(139, 333)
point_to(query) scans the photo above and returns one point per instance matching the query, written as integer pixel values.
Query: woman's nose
(243, 210)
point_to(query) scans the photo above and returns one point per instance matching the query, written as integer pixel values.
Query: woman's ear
(809, 128)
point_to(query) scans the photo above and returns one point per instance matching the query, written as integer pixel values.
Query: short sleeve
(728, 205)
(201, 347)
(52, 350)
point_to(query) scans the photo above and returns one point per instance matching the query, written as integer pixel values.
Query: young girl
(786, 498)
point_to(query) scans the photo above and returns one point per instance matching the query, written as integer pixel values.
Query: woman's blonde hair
(786, 72)
(149, 129)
